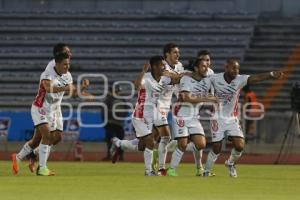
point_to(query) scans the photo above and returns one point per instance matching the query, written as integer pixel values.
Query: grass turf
(87, 181)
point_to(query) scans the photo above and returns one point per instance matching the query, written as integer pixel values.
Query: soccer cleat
(44, 171)
(15, 164)
(231, 168)
(32, 161)
(208, 174)
(199, 171)
(162, 172)
(115, 149)
(171, 172)
(152, 173)
(154, 163)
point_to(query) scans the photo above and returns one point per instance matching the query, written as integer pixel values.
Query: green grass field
(106, 181)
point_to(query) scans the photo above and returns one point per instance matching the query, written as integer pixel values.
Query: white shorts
(185, 127)
(53, 119)
(142, 127)
(161, 117)
(221, 128)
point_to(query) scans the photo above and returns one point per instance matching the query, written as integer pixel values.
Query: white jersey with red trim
(167, 93)
(51, 101)
(148, 96)
(195, 88)
(228, 94)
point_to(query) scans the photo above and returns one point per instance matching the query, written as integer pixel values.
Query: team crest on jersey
(180, 122)
(42, 111)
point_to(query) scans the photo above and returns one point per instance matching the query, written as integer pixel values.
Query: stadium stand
(271, 47)
(110, 43)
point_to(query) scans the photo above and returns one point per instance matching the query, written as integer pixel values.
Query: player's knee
(56, 139)
(239, 148)
(182, 147)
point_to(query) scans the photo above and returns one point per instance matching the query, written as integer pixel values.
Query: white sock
(172, 146)
(234, 156)
(211, 159)
(176, 158)
(36, 151)
(49, 151)
(26, 150)
(43, 151)
(129, 144)
(198, 158)
(162, 151)
(148, 156)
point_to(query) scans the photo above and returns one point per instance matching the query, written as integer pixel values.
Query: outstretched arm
(185, 96)
(265, 76)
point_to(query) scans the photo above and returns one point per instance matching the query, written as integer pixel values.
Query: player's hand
(70, 88)
(277, 74)
(167, 73)
(85, 83)
(146, 67)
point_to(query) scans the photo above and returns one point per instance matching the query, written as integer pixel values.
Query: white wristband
(272, 74)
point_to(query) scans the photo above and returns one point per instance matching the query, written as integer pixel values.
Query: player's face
(173, 56)
(202, 68)
(206, 58)
(233, 69)
(68, 51)
(160, 68)
(64, 66)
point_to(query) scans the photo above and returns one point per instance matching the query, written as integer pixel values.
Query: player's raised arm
(265, 76)
(138, 81)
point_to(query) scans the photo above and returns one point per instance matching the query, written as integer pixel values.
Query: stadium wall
(286, 8)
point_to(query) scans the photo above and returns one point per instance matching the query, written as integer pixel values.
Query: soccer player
(227, 87)
(193, 91)
(161, 127)
(46, 112)
(57, 134)
(206, 55)
(150, 86)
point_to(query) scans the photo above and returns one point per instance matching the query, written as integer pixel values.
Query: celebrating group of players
(193, 87)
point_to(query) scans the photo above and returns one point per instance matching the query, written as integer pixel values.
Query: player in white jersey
(205, 55)
(56, 135)
(46, 111)
(149, 86)
(227, 87)
(194, 90)
(161, 128)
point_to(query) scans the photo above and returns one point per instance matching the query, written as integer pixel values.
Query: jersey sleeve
(243, 79)
(46, 76)
(184, 84)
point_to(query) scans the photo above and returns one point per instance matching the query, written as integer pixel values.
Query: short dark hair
(168, 47)
(203, 53)
(58, 48)
(231, 60)
(155, 60)
(193, 63)
(60, 56)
